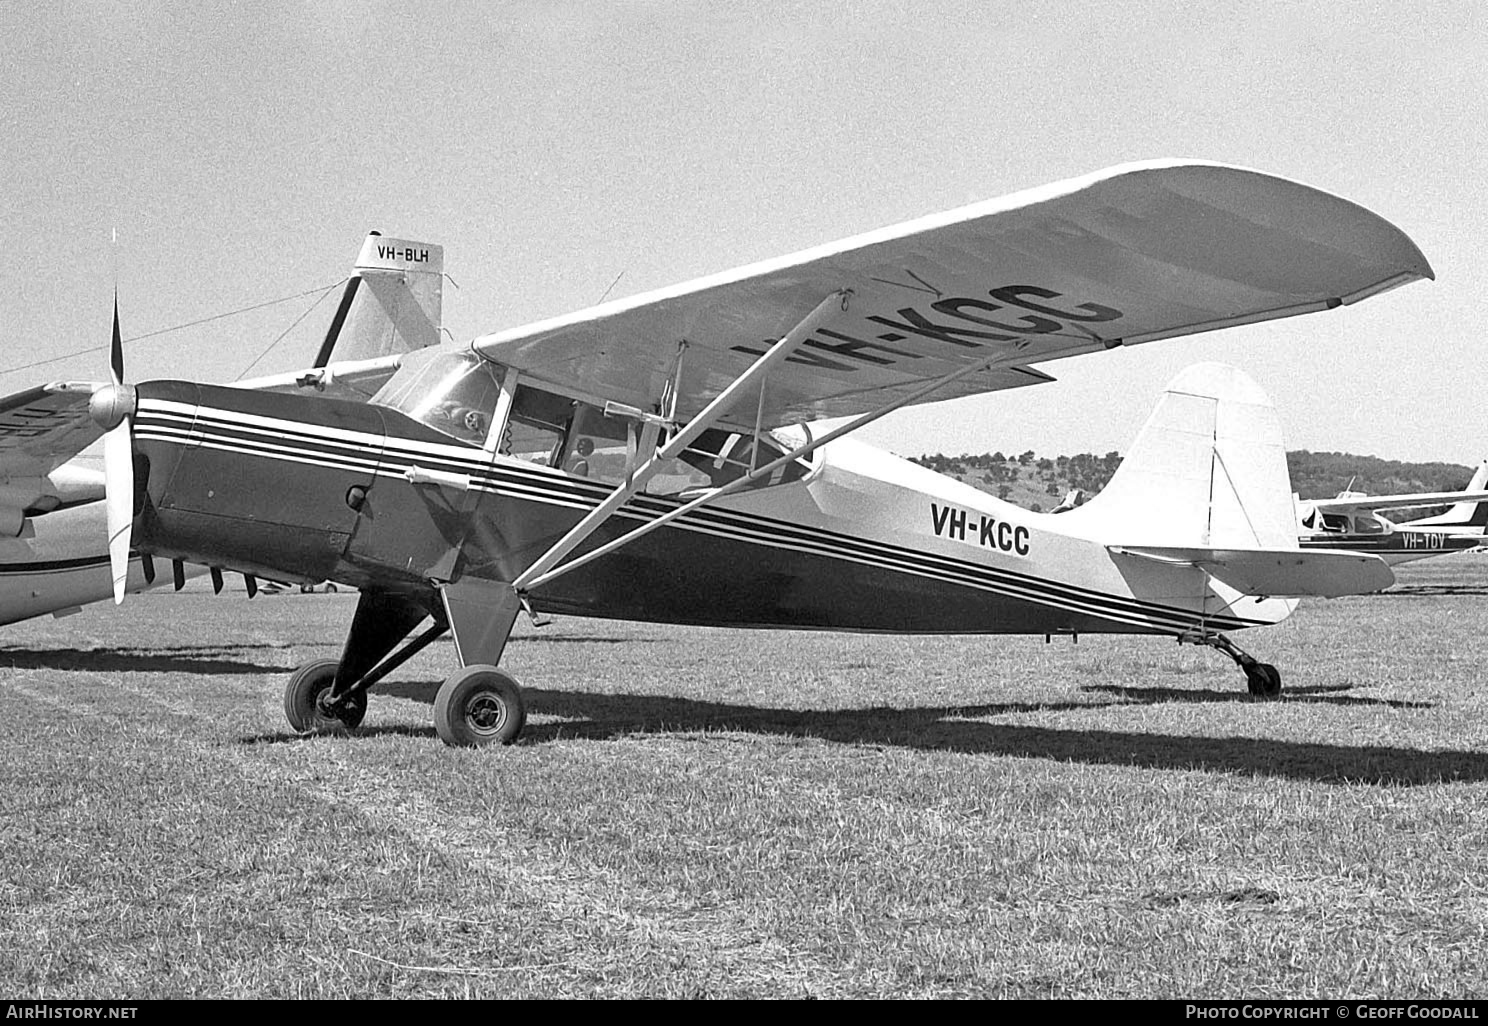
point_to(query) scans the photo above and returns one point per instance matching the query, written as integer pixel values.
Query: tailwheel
(479, 705)
(1263, 679)
(304, 700)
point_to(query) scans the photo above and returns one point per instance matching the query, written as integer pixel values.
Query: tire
(479, 705)
(1264, 680)
(301, 694)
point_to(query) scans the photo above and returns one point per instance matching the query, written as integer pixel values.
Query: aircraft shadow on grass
(960, 729)
(1419, 590)
(1320, 694)
(202, 659)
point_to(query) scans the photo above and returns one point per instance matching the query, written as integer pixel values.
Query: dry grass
(698, 812)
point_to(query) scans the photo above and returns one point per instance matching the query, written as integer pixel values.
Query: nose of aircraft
(112, 408)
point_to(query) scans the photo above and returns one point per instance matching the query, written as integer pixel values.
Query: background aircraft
(1352, 521)
(454, 496)
(53, 534)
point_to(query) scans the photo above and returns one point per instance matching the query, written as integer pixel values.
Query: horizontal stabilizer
(1277, 572)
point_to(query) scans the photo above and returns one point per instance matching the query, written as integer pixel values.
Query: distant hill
(1325, 474)
(1038, 483)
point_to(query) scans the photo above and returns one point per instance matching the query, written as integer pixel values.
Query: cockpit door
(439, 414)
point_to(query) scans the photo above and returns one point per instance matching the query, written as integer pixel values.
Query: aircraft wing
(44, 427)
(1127, 255)
(352, 379)
(1375, 503)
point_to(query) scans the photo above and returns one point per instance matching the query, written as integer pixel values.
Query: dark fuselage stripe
(213, 430)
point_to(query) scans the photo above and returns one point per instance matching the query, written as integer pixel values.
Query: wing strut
(542, 571)
(721, 403)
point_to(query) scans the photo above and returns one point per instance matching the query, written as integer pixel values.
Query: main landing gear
(1263, 679)
(479, 705)
(304, 695)
(476, 705)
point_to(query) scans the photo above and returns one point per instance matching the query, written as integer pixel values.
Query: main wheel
(479, 705)
(302, 700)
(1264, 680)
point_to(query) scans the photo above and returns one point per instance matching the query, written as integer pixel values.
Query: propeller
(112, 408)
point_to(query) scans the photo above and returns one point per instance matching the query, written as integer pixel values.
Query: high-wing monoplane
(1352, 522)
(652, 458)
(53, 552)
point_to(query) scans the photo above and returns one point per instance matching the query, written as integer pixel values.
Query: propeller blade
(178, 572)
(116, 349)
(216, 580)
(147, 563)
(252, 583)
(118, 471)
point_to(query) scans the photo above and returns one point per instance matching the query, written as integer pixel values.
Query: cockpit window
(718, 457)
(537, 426)
(453, 393)
(599, 447)
(572, 435)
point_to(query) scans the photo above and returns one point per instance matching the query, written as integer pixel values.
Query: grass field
(735, 814)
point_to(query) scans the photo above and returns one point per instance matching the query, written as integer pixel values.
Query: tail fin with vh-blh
(392, 302)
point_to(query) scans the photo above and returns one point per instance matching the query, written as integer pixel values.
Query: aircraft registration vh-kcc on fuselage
(650, 458)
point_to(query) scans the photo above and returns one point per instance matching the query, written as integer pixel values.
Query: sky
(213, 157)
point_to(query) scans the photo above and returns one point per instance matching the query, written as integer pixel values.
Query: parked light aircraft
(53, 536)
(650, 458)
(1352, 521)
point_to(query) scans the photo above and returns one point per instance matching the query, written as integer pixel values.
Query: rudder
(1207, 470)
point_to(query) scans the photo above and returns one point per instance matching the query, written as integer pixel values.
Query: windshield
(453, 393)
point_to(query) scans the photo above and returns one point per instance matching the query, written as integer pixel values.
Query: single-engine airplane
(1352, 522)
(650, 458)
(53, 535)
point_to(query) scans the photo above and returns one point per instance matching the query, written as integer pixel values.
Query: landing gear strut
(330, 694)
(479, 705)
(1262, 679)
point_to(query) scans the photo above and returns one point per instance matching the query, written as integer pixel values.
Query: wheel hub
(485, 714)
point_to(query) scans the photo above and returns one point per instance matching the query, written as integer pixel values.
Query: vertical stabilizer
(1463, 514)
(392, 304)
(1208, 470)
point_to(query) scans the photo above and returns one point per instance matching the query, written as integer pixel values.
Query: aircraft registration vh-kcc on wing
(651, 459)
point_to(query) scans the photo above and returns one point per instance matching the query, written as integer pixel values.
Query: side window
(537, 426)
(599, 447)
(719, 457)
